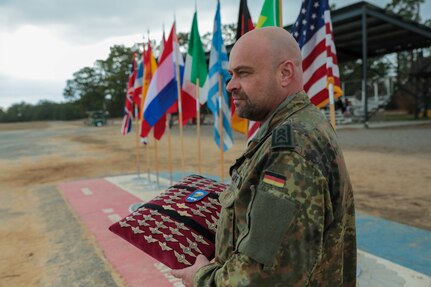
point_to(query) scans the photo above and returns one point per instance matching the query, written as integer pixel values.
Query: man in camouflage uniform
(288, 216)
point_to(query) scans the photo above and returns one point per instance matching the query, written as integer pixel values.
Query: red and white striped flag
(126, 126)
(313, 31)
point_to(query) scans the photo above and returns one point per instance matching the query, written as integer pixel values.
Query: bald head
(275, 42)
(272, 45)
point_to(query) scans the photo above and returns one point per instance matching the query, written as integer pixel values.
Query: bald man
(288, 216)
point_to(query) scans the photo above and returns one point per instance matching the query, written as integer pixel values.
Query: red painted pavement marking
(97, 210)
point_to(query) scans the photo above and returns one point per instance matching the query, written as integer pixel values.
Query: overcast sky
(43, 42)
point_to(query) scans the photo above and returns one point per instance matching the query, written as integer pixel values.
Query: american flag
(313, 31)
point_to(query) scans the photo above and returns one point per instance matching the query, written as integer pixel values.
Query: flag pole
(180, 109)
(221, 127)
(137, 110)
(198, 125)
(138, 154)
(331, 104)
(141, 111)
(147, 153)
(168, 118)
(246, 131)
(280, 13)
(156, 162)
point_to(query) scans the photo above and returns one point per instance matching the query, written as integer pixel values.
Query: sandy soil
(43, 244)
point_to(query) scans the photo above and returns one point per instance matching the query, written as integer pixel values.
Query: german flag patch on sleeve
(274, 179)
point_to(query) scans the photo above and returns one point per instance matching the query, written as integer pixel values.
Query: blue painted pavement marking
(402, 244)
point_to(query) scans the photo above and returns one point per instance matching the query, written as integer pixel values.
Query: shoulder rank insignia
(282, 137)
(274, 179)
(197, 195)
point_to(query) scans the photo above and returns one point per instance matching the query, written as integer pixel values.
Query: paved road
(407, 138)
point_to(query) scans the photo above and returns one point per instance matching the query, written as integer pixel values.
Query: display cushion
(177, 225)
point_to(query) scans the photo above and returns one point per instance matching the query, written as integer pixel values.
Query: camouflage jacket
(288, 216)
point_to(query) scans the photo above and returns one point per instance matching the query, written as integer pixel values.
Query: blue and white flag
(218, 70)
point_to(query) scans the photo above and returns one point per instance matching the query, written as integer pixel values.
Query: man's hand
(187, 274)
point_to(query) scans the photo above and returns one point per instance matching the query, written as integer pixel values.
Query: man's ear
(287, 69)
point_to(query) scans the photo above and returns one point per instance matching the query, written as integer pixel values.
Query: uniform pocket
(226, 224)
(227, 197)
(270, 218)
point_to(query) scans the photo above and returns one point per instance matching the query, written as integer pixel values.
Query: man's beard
(249, 110)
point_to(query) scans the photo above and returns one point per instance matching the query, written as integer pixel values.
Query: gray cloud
(30, 91)
(84, 21)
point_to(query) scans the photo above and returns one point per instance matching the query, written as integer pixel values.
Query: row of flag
(174, 86)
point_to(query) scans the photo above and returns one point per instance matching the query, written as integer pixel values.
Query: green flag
(270, 14)
(195, 65)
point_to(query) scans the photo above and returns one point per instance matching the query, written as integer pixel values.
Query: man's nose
(232, 85)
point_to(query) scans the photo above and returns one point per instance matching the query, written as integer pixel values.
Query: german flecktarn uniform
(177, 225)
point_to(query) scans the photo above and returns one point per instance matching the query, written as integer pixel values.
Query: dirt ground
(43, 244)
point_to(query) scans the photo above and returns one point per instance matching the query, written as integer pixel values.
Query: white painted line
(114, 217)
(107, 210)
(377, 271)
(166, 271)
(136, 186)
(86, 191)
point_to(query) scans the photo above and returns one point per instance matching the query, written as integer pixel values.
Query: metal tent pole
(364, 64)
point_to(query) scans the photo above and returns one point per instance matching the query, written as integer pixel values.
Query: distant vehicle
(97, 118)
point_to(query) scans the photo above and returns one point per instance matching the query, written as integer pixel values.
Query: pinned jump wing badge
(196, 196)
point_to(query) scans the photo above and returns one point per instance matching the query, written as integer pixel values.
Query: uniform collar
(289, 106)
